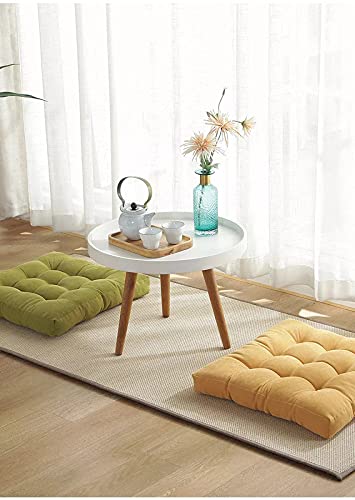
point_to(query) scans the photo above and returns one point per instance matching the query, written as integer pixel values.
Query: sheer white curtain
(126, 83)
(13, 178)
(312, 148)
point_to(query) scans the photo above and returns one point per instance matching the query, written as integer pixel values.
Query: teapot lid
(134, 208)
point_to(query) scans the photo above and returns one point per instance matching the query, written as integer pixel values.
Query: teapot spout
(148, 219)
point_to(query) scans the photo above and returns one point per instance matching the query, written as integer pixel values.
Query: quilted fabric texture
(292, 371)
(55, 292)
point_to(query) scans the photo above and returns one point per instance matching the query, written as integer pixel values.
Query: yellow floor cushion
(292, 371)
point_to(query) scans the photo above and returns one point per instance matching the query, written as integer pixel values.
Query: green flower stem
(217, 141)
(199, 207)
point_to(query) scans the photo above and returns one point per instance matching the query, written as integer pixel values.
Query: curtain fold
(126, 83)
(311, 148)
(13, 176)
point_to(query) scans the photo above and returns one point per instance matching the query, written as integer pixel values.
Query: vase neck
(205, 179)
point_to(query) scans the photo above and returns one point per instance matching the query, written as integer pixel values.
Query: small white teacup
(150, 237)
(173, 231)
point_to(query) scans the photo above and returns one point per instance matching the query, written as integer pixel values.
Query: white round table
(206, 253)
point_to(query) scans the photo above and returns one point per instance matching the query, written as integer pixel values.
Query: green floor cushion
(55, 292)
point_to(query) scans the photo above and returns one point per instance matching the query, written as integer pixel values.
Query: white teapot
(134, 216)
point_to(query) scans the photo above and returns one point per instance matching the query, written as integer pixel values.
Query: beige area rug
(160, 356)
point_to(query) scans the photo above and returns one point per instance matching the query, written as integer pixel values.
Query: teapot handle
(149, 187)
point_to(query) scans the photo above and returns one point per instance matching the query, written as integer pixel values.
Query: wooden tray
(120, 240)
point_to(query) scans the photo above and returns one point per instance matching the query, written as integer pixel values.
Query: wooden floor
(59, 437)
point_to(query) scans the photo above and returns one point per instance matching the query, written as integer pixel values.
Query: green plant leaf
(7, 65)
(204, 162)
(15, 94)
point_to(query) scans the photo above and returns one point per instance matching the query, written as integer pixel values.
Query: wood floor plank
(203, 474)
(280, 478)
(25, 463)
(65, 476)
(99, 457)
(192, 446)
(21, 432)
(34, 389)
(128, 479)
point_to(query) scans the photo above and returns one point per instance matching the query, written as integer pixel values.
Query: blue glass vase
(205, 205)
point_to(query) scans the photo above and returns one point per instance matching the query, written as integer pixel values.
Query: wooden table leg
(212, 289)
(165, 294)
(127, 299)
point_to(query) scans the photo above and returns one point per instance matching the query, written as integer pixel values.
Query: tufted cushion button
(306, 352)
(50, 292)
(29, 284)
(283, 365)
(73, 282)
(339, 359)
(33, 269)
(317, 373)
(292, 371)
(52, 276)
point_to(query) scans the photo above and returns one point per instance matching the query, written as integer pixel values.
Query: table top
(207, 252)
